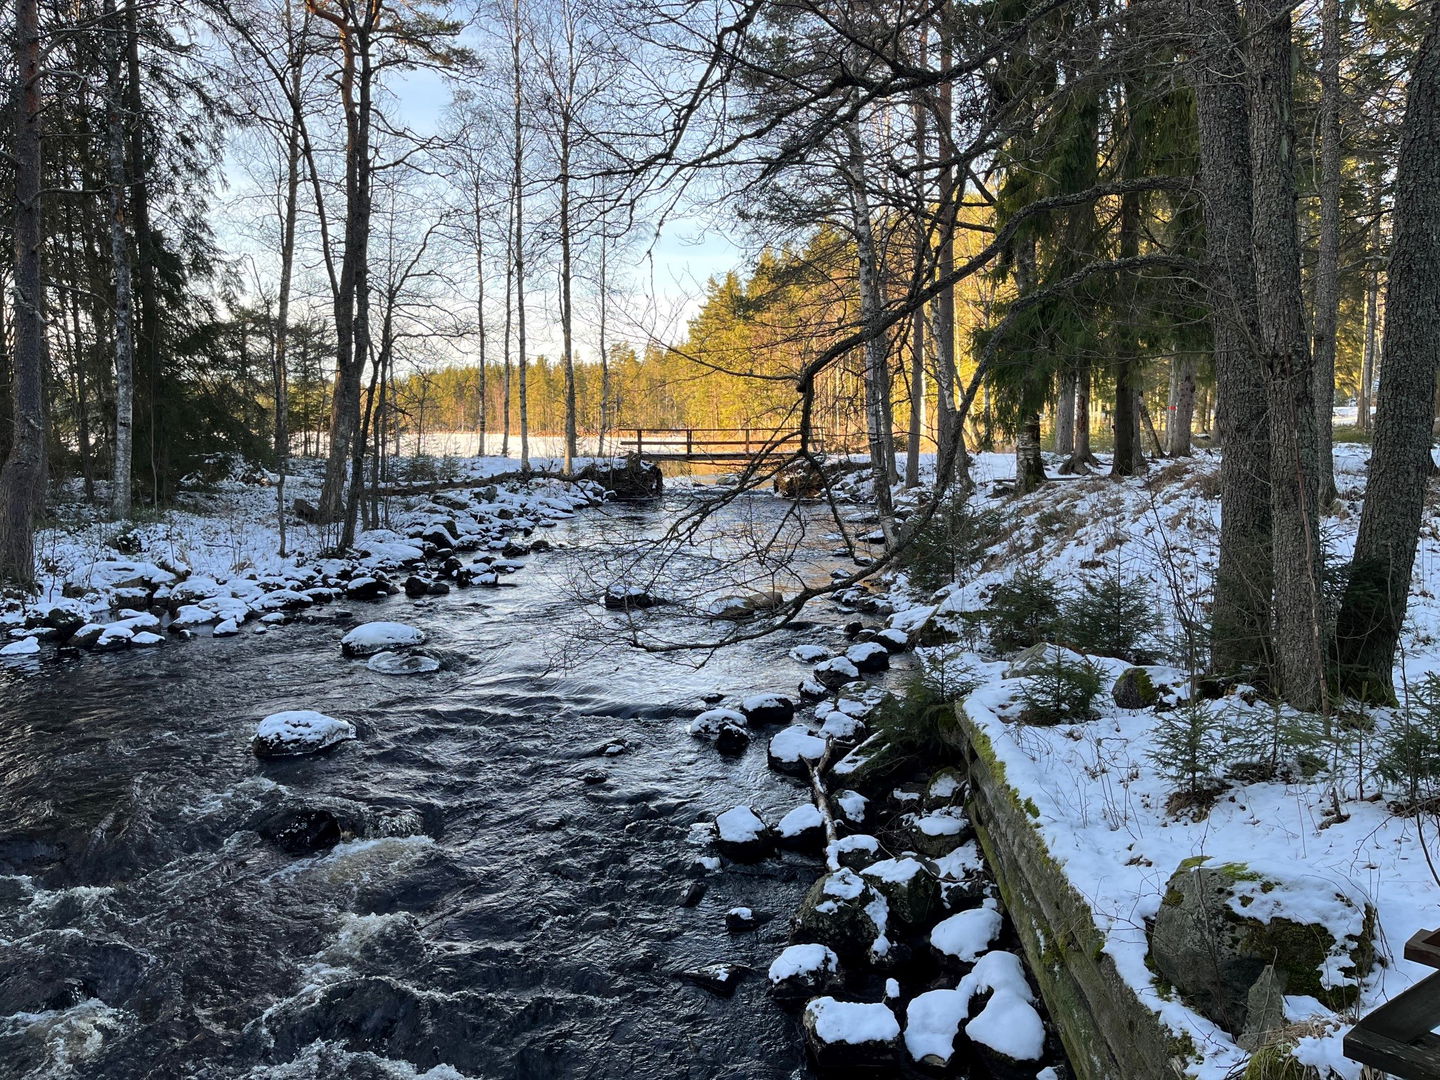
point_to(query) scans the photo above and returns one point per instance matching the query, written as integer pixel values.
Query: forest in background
(973, 223)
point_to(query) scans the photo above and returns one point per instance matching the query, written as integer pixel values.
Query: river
(504, 899)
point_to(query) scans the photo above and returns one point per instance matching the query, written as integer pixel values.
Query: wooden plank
(1399, 1036)
(1424, 948)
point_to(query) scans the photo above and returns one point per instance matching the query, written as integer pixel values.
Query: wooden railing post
(689, 441)
(639, 443)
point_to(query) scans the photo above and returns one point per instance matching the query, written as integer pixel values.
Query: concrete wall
(1108, 1033)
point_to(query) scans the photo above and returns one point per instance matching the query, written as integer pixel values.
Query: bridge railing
(746, 442)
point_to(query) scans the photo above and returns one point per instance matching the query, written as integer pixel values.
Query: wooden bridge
(721, 445)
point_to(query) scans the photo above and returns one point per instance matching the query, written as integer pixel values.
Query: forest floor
(1123, 799)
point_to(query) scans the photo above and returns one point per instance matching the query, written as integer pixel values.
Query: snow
(857, 842)
(372, 637)
(25, 647)
(852, 805)
(300, 730)
(838, 725)
(843, 883)
(740, 825)
(865, 651)
(799, 820)
(996, 971)
(795, 744)
(839, 666)
(967, 935)
(1010, 1025)
(852, 1022)
(810, 654)
(758, 702)
(932, 1021)
(708, 724)
(943, 822)
(896, 871)
(802, 960)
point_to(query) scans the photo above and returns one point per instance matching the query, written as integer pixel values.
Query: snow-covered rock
(768, 708)
(855, 852)
(869, 657)
(802, 828)
(300, 731)
(842, 910)
(936, 833)
(810, 654)
(910, 886)
(743, 835)
(28, 646)
(370, 638)
(1008, 1036)
(852, 807)
(803, 971)
(835, 673)
(630, 598)
(932, 1022)
(228, 628)
(710, 722)
(791, 749)
(965, 936)
(851, 1034)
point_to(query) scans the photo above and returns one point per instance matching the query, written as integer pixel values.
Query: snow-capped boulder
(804, 971)
(869, 657)
(367, 588)
(711, 722)
(743, 835)
(842, 727)
(1008, 1036)
(910, 886)
(964, 937)
(300, 731)
(851, 1034)
(190, 616)
(228, 628)
(792, 749)
(732, 740)
(370, 638)
(810, 654)
(936, 833)
(397, 663)
(768, 708)
(851, 807)
(146, 640)
(932, 1023)
(835, 673)
(802, 829)
(842, 910)
(1218, 926)
(630, 598)
(947, 787)
(855, 852)
(28, 646)
(894, 639)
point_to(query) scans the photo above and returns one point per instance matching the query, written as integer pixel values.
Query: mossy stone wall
(1108, 1033)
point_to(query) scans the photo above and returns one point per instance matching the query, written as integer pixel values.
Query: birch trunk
(1327, 261)
(123, 315)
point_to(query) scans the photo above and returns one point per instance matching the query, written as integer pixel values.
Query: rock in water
(1008, 1036)
(932, 1022)
(711, 722)
(869, 657)
(833, 674)
(851, 1034)
(629, 598)
(719, 979)
(742, 835)
(802, 829)
(300, 731)
(793, 748)
(846, 913)
(768, 709)
(732, 740)
(370, 638)
(965, 936)
(394, 663)
(804, 971)
(910, 886)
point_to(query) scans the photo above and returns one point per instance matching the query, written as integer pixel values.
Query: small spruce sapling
(1024, 611)
(1060, 691)
(1410, 750)
(1114, 616)
(1189, 752)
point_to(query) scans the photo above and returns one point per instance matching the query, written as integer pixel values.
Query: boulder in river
(732, 740)
(932, 1025)
(967, 935)
(719, 979)
(299, 731)
(911, 887)
(630, 598)
(743, 835)
(711, 722)
(794, 749)
(768, 708)
(1008, 1037)
(869, 657)
(851, 1034)
(835, 673)
(804, 971)
(802, 829)
(370, 638)
(844, 911)
(936, 833)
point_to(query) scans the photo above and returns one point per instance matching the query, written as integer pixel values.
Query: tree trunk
(1240, 620)
(1373, 610)
(147, 343)
(1065, 413)
(518, 180)
(1081, 459)
(1180, 416)
(22, 480)
(1295, 533)
(483, 390)
(1372, 323)
(876, 358)
(1327, 260)
(604, 345)
(917, 400)
(120, 482)
(1129, 459)
(1029, 464)
(287, 266)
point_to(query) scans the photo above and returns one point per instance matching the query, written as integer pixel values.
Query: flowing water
(472, 887)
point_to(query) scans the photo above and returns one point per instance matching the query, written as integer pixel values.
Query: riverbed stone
(768, 708)
(845, 912)
(1219, 926)
(299, 731)
(869, 657)
(851, 1034)
(794, 749)
(935, 833)
(804, 971)
(836, 672)
(910, 885)
(370, 638)
(743, 835)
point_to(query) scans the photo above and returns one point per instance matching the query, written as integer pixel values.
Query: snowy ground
(213, 560)
(1097, 798)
